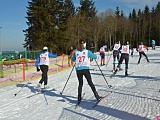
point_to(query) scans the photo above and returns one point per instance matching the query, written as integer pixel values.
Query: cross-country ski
(113, 75)
(97, 102)
(78, 102)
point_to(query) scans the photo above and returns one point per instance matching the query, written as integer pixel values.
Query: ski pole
(24, 86)
(109, 59)
(67, 80)
(103, 75)
(45, 99)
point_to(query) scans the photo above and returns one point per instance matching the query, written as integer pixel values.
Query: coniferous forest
(58, 25)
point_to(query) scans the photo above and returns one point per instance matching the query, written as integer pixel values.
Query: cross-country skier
(92, 50)
(102, 54)
(125, 51)
(140, 49)
(70, 54)
(153, 44)
(43, 62)
(82, 63)
(116, 54)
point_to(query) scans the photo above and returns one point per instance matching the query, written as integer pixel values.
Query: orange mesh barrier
(23, 69)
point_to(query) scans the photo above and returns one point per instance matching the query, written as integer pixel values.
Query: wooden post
(62, 60)
(1, 66)
(23, 69)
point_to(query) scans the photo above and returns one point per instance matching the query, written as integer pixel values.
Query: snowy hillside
(135, 97)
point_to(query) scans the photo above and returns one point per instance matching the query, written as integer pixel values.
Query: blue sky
(13, 21)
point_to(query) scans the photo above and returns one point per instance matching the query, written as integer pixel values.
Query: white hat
(84, 45)
(45, 48)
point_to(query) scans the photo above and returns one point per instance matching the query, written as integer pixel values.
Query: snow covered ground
(135, 97)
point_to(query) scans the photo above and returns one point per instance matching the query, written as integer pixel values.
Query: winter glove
(38, 69)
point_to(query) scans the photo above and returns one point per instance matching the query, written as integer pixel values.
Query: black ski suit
(125, 51)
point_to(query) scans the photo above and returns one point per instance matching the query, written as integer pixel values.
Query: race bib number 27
(81, 59)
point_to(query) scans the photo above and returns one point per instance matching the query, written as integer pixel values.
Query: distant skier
(43, 62)
(92, 50)
(140, 49)
(102, 54)
(125, 51)
(116, 54)
(70, 54)
(153, 44)
(82, 63)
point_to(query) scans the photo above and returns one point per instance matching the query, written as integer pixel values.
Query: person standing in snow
(125, 51)
(140, 49)
(92, 48)
(153, 44)
(102, 54)
(116, 54)
(70, 54)
(82, 63)
(43, 62)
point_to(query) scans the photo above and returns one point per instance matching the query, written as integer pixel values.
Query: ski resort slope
(135, 97)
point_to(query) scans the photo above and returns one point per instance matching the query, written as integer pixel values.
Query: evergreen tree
(117, 12)
(41, 23)
(146, 26)
(47, 23)
(157, 23)
(69, 8)
(87, 7)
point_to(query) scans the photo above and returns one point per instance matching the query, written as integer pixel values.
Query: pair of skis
(112, 75)
(37, 93)
(97, 102)
(78, 102)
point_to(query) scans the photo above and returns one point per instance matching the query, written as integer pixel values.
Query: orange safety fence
(23, 69)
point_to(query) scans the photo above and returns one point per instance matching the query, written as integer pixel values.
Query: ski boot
(46, 87)
(120, 68)
(39, 87)
(79, 98)
(126, 73)
(114, 68)
(115, 72)
(97, 96)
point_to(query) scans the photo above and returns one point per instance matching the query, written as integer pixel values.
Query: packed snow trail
(135, 97)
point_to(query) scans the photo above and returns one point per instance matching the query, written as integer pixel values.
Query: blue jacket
(49, 54)
(90, 55)
(153, 42)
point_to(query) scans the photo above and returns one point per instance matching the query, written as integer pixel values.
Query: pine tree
(47, 23)
(40, 23)
(87, 7)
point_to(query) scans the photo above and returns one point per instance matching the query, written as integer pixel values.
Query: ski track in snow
(135, 97)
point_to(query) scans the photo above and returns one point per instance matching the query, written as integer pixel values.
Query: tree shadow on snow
(51, 92)
(155, 61)
(23, 85)
(94, 112)
(86, 110)
(135, 94)
(96, 70)
(63, 98)
(106, 75)
(140, 77)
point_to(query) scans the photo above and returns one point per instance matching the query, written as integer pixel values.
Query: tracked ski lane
(135, 97)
